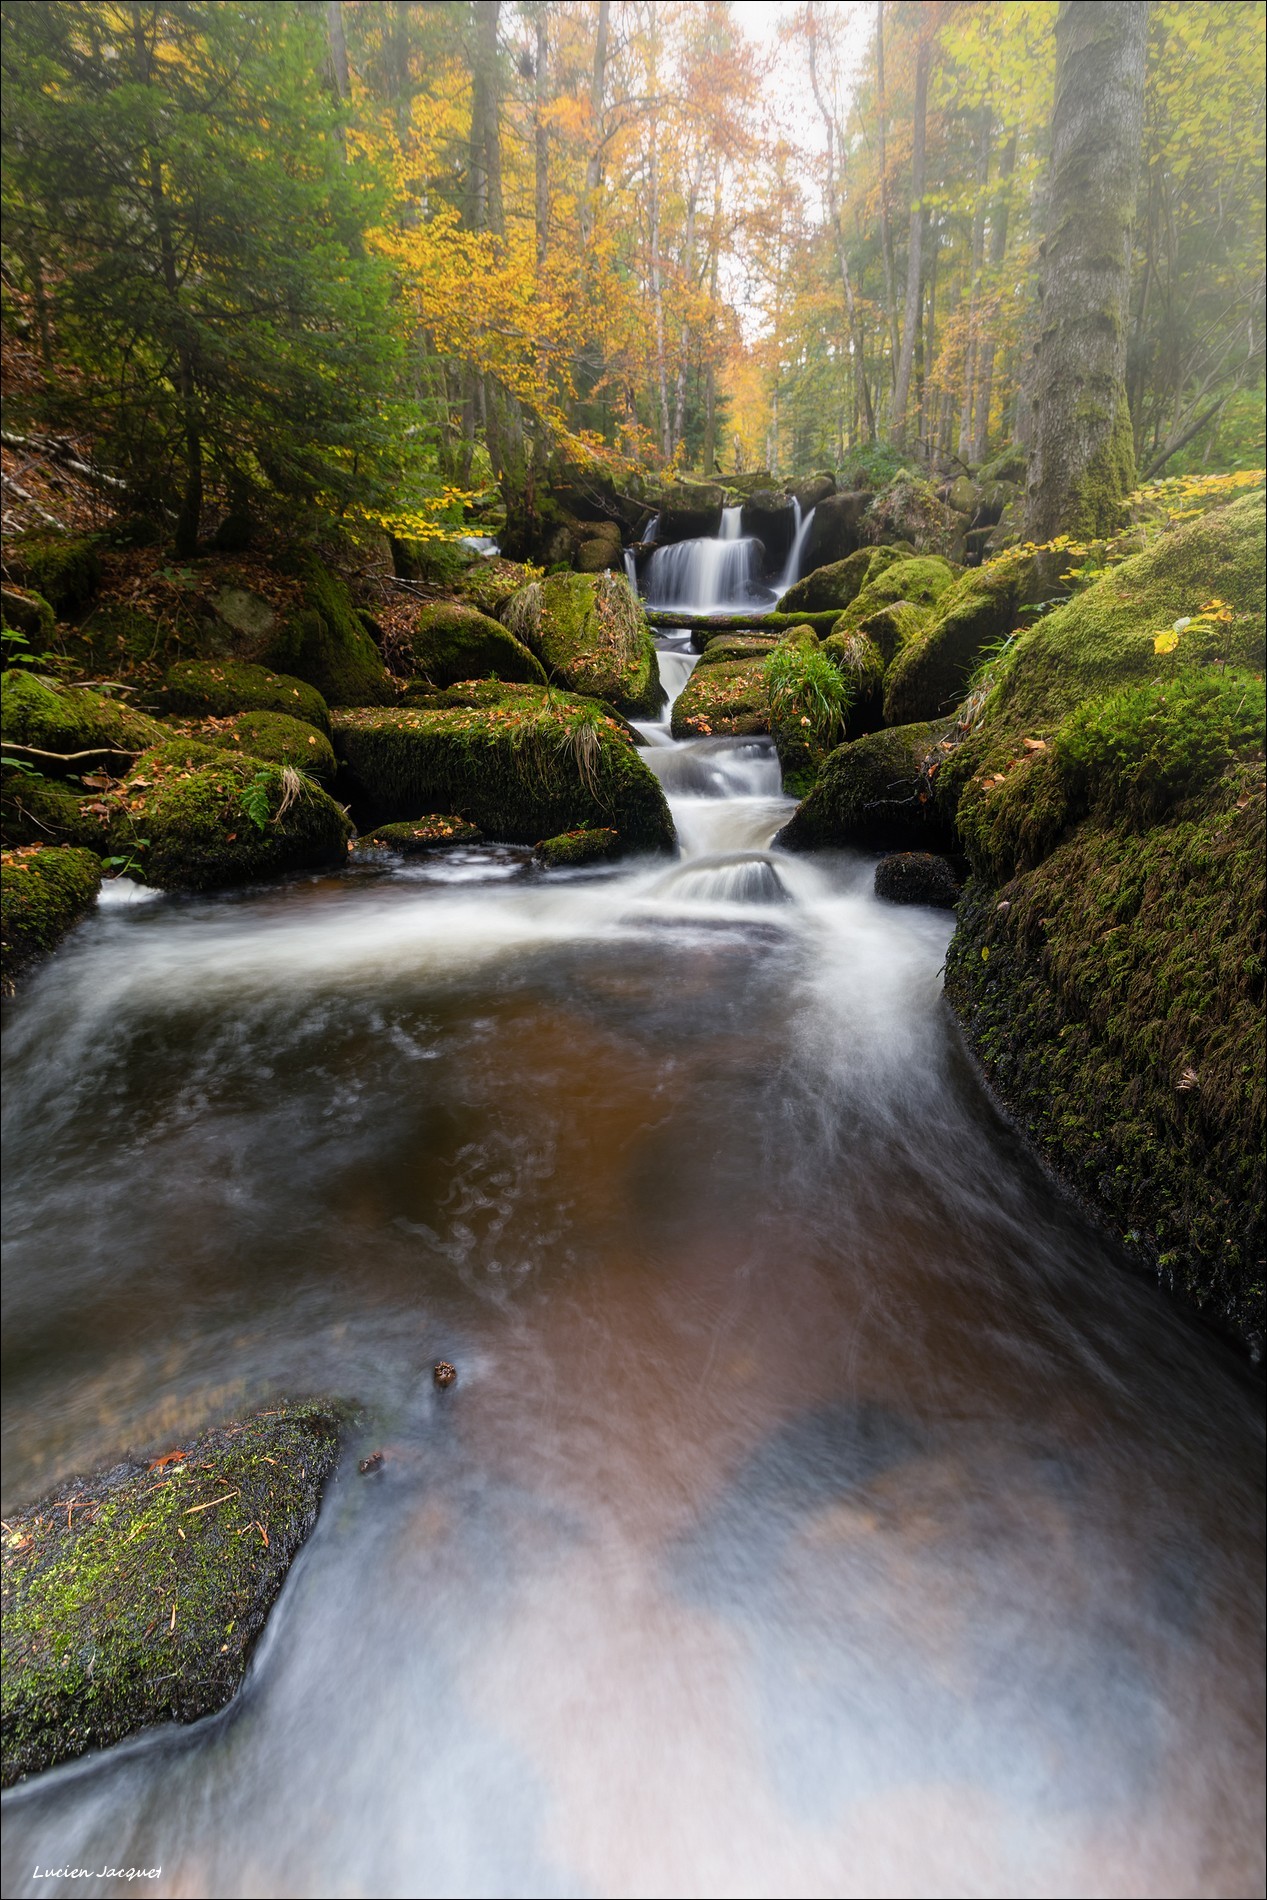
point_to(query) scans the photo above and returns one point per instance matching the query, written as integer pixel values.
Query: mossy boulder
(325, 643)
(142, 1602)
(933, 665)
(37, 716)
(591, 844)
(872, 792)
(590, 634)
(65, 569)
(415, 837)
(809, 707)
(598, 546)
(199, 818)
(43, 891)
(910, 509)
(917, 877)
(730, 698)
(838, 583)
(39, 810)
(524, 765)
(918, 580)
(275, 737)
(1108, 961)
(735, 646)
(490, 585)
(450, 643)
(29, 614)
(118, 636)
(217, 688)
(860, 662)
(891, 628)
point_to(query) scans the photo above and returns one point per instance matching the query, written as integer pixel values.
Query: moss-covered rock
(917, 877)
(64, 568)
(810, 699)
(115, 636)
(39, 810)
(861, 664)
(217, 688)
(275, 737)
(598, 546)
(910, 509)
(931, 668)
(198, 818)
(29, 614)
(39, 717)
(689, 511)
(523, 766)
(730, 698)
(141, 1602)
(591, 635)
(837, 584)
(490, 585)
(43, 891)
(415, 837)
(325, 643)
(872, 792)
(890, 628)
(918, 580)
(451, 643)
(735, 646)
(591, 844)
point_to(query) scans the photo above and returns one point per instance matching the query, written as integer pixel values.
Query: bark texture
(1082, 460)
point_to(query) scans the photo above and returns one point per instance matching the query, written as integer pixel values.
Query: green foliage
(809, 703)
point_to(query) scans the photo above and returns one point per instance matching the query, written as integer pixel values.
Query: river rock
(448, 643)
(812, 490)
(37, 716)
(689, 511)
(728, 699)
(216, 688)
(932, 670)
(872, 792)
(598, 547)
(839, 583)
(837, 528)
(44, 890)
(136, 1596)
(591, 844)
(591, 635)
(325, 642)
(917, 877)
(771, 518)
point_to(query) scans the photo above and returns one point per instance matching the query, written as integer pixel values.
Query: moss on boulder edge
(67, 719)
(39, 810)
(872, 792)
(524, 765)
(43, 891)
(273, 736)
(451, 643)
(932, 666)
(588, 845)
(590, 634)
(217, 688)
(114, 1620)
(839, 583)
(325, 643)
(435, 831)
(730, 699)
(64, 568)
(200, 818)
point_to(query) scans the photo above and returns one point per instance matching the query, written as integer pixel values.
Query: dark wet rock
(837, 528)
(136, 1596)
(417, 837)
(689, 511)
(812, 490)
(917, 877)
(444, 1374)
(769, 516)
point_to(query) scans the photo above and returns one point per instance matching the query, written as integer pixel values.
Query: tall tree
(915, 243)
(1082, 459)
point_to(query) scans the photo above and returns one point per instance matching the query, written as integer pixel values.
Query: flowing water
(821, 1508)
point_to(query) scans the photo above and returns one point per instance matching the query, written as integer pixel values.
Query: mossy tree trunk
(1082, 460)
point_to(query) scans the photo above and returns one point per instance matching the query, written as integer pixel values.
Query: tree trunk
(598, 85)
(974, 288)
(1082, 463)
(688, 283)
(833, 211)
(338, 49)
(886, 228)
(999, 220)
(915, 248)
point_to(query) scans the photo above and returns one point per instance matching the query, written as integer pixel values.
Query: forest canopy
(374, 256)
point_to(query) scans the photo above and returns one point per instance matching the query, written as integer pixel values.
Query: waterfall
(731, 524)
(792, 572)
(631, 568)
(704, 576)
(652, 530)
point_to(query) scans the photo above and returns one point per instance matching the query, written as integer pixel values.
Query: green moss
(1097, 505)
(872, 792)
(931, 670)
(43, 891)
(589, 845)
(39, 810)
(436, 831)
(199, 818)
(275, 737)
(892, 627)
(490, 585)
(451, 643)
(140, 1601)
(861, 665)
(29, 614)
(919, 581)
(114, 635)
(591, 635)
(325, 643)
(523, 768)
(735, 647)
(730, 698)
(1114, 995)
(66, 720)
(65, 569)
(216, 688)
(839, 583)
(809, 701)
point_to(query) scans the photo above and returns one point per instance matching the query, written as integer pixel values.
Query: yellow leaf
(1165, 642)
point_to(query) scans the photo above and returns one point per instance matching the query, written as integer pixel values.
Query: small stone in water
(372, 1463)
(444, 1373)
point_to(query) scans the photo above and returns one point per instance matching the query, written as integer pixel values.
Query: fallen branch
(68, 758)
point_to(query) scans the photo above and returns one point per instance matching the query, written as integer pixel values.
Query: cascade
(706, 576)
(792, 572)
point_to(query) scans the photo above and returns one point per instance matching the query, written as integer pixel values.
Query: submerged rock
(43, 891)
(917, 877)
(136, 1596)
(436, 831)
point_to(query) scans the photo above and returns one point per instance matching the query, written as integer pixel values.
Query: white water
(820, 1510)
(731, 523)
(706, 576)
(792, 571)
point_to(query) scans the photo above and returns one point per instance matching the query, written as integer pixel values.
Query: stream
(821, 1509)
